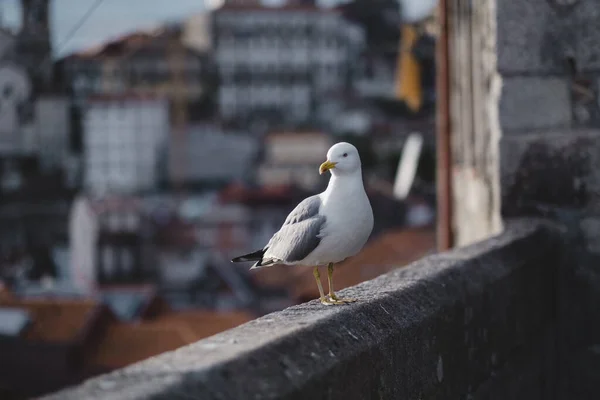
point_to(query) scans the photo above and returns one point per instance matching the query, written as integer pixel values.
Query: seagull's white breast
(349, 222)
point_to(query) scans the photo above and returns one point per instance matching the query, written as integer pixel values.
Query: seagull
(326, 228)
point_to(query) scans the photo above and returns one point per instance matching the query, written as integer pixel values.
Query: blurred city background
(145, 143)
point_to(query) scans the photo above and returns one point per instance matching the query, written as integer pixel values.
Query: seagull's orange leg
(332, 296)
(324, 299)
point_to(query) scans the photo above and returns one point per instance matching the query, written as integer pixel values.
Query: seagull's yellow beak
(326, 166)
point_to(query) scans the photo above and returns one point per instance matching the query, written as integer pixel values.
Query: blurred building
(53, 129)
(293, 158)
(107, 242)
(7, 44)
(377, 78)
(197, 32)
(38, 129)
(281, 61)
(124, 143)
(33, 45)
(183, 246)
(15, 122)
(212, 155)
(34, 117)
(142, 62)
(49, 342)
(34, 144)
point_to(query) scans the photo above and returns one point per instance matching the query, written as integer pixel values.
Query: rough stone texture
(548, 57)
(590, 230)
(538, 36)
(551, 173)
(534, 103)
(556, 174)
(477, 323)
(581, 371)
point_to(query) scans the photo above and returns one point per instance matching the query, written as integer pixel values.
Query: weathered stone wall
(474, 323)
(549, 60)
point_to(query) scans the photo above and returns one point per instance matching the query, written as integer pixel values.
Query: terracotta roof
(123, 344)
(5, 293)
(120, 45)
(276, 277)
(176, 234)
(127, 343)
(204, 323)
(54, 320)
(152, 303)
(393, 249)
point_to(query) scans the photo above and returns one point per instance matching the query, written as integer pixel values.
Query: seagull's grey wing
(299, 235)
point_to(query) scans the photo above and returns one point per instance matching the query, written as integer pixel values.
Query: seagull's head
(342, 159)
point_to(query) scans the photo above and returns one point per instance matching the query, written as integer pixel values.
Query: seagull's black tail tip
(256, 256)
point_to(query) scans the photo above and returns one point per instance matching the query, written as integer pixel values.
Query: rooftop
(54, 320)
(126, 343)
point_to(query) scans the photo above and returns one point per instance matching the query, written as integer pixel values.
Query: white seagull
(326, 228)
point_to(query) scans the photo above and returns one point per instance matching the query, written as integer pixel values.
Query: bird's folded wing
(299, 235)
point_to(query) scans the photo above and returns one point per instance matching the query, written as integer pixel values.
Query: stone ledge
(438, 329)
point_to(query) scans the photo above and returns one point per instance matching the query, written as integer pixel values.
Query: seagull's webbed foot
(332, 296)
(330, 299)
(325, 300)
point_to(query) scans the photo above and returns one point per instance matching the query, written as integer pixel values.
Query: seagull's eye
(345, 154)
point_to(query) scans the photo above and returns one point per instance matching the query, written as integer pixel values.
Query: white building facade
(282, 59)
(124, 141)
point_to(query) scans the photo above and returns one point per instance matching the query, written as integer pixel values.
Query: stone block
(581, 371)
(590, 230)
(533, 103)
(539, 36)
(553, 174)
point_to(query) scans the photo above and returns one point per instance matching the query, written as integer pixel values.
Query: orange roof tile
(205, 323)
(276, 277)
(5, 293)
(124, 344)
(120, 44)
(127, 343)
(54, 320)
